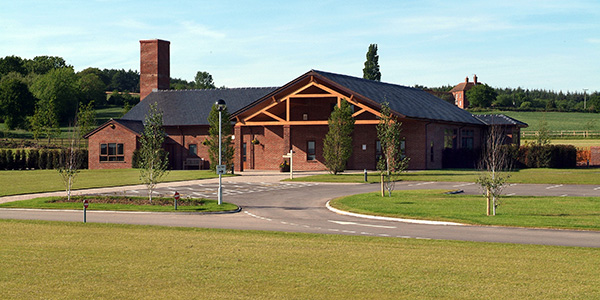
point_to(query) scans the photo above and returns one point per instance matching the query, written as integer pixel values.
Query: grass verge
(549, 176)
(123, 204)
(37, 181)
(521, 211)
(100, 261)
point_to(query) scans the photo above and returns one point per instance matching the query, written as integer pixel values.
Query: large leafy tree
(213, 138)
(60, 87)
(204, 80)
(153, 160)
(337, 145)
(16, 102)
(371, 70)
(12, 63)
(43, 64)
(481, 95)
(392, 161)
(92, 88)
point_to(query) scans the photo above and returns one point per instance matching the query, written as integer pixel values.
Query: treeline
(484, 97)
(42, 93)
(37, 159)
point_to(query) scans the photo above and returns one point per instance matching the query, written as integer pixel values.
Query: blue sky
(548, 44)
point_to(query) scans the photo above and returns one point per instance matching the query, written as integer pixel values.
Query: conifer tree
(337, 145)
(371, 70)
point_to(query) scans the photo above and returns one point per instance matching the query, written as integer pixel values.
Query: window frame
(111, 152)
(311, 154)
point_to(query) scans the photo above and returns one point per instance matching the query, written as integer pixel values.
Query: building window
(467, 138)
(193, 150)
(244, 152)
(450, 138)
(310, 150)
(111, 152)
(431, 152)
(403, 148)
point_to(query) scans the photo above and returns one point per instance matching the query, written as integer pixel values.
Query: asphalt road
(300, 207)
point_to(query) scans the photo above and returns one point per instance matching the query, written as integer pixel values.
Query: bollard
(366, 180)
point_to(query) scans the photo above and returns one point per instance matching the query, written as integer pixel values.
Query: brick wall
(594, 156)
(154, 66)
(112, 133)
(178, 144)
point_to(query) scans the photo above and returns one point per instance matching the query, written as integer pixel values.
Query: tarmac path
(268, 204)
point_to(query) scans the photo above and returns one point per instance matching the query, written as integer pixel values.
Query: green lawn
(205, 205)
(521, 211)
(580, 143)
(49, 260)
(549, 176)
(37, 181)
(555, 120)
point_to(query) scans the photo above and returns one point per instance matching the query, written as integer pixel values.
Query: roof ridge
(217, 89)
(365, 80)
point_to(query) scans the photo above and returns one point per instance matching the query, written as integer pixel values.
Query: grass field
(52, 203)
(550, 176)
(37, 181)
(520, 211)
(45, 260)
(555, 120)
(579, 143)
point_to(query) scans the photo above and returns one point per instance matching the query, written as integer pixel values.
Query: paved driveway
(300, 207)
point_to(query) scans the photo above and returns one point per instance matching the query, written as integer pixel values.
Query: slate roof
(500, 120)
(135, 126)
(410, 102)
(191, 107)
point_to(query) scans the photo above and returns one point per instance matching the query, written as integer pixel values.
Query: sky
(549, 44)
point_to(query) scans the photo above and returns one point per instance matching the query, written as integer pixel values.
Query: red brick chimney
(467, 79)
(154, 66)
(475, 79)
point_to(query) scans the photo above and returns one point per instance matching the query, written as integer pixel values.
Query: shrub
(43, 159)
(32, 159)
(10, 160)
(548, 156)
(2, 159)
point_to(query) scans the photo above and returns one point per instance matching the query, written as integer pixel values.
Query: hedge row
(526, 156)
(37, 159)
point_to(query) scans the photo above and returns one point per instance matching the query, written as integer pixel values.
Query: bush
(32, 159)
(10, 160)
(548, 156)
(2, 159)
(43, 159)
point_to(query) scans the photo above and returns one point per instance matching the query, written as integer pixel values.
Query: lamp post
(220, 107)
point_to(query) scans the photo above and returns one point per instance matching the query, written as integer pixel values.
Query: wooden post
(382, 189)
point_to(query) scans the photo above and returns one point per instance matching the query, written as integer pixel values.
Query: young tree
(392, 162)
(86, 118)
(153, 159)
(71, 160)
(44, 120)
(337, 145)
(371, 70)
(213, 138)
(494, 164)
(204, 80)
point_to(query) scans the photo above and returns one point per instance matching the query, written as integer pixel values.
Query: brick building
(270, 121)
(460, 92)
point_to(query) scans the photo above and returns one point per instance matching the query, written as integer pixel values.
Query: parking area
(209, 190)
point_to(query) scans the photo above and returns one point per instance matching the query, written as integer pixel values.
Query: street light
(220, 107)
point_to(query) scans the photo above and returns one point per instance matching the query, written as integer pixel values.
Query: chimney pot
(475, 79)
(467, 79)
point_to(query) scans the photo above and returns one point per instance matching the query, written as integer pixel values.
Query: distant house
(460, 92)
(269, 121)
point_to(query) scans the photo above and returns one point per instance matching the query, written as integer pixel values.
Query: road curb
(413, 221)
(239, 209)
